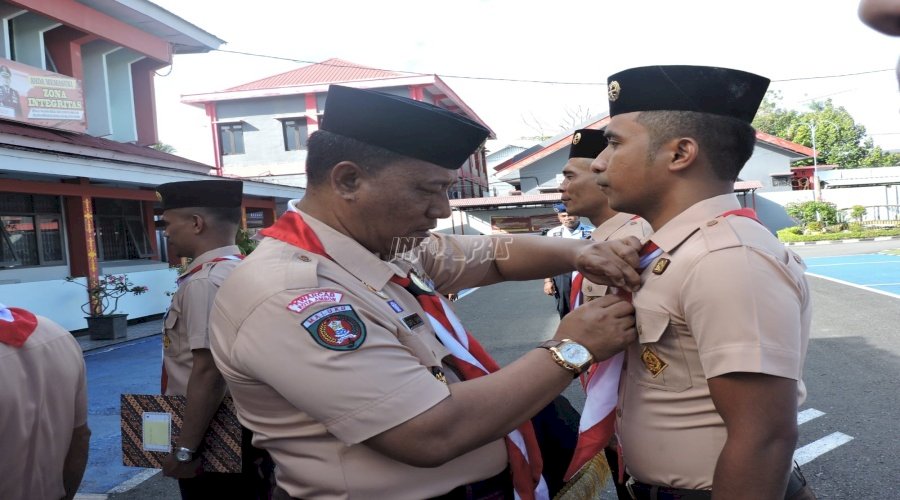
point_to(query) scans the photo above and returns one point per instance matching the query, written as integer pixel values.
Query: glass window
(294, 131)
(121, 230)
(31, 227)
(231, 139)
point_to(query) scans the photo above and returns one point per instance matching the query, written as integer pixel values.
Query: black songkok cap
(704, 89)
(207, 194)
(587, 143)
(405, 126)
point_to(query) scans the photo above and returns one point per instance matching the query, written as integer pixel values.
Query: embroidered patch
(303, 302)
(166, 341)
(413, 321)
(653, 362)
(395, 306)
(338, 328)
(661, 266)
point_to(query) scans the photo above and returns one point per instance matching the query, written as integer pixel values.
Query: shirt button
(712, 223)
(797, 259)
(590, 288)
(304, 258)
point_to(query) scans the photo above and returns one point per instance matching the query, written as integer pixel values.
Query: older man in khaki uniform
(201, 220)
(347, 363)
(708, 401)
(43, 408)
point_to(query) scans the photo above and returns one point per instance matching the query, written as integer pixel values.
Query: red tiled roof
(332, 70)
(89, 141)
(784, 144)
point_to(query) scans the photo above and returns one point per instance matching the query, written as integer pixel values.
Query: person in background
(723, 313)
(43, 408)
(570, 227)
(201, 220)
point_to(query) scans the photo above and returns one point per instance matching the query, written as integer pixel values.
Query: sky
(576, 43)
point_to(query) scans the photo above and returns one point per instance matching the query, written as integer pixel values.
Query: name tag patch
(338, 328)
(413, 321)
(301, 303)
(395, 306)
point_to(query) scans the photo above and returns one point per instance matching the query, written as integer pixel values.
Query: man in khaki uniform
(708, 401)
(43, 408)
(201, 220)
(584, 198)
(330, 345)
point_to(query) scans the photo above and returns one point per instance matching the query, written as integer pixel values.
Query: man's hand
(180, 470)
(611, 263)
(549, 289)
(604, 326)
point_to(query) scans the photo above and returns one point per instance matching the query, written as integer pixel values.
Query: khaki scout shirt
(731, 299)
(43, 397)
(617, 227)
(321, 355)
(186, 325)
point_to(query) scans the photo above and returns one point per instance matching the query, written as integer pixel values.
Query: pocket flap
(650, 324)
(171, 319)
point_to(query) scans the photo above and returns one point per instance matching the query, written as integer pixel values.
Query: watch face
(575, 353)
(183, 456)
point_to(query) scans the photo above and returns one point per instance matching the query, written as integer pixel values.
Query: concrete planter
(109, 327)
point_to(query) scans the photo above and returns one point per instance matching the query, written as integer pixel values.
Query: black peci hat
(719, 91)
(587, 143)
(401, 125)
(209, 194)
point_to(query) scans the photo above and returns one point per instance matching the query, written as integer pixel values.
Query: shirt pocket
(170, 338)
(658, 361)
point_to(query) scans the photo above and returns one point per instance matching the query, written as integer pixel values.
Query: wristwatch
(183, 454)
(569, 354)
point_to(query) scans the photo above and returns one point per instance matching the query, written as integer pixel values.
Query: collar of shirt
(609, 226)
(578, 232)
(674, 232)
(207, 256)
(350, 255)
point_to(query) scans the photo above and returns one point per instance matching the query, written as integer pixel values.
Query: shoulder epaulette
(719, 234)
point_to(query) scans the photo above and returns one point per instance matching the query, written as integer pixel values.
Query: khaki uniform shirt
(617, 227)
(321, 355)
(732, 298)
(43, 397)
(185, 327)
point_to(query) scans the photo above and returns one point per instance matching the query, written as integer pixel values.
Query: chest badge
(661, 265)
(379, 293)
(166, 341)
(654, 363)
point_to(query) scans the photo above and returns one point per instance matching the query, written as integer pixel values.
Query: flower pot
(109, 327)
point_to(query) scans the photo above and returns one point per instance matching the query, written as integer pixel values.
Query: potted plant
(104, 323)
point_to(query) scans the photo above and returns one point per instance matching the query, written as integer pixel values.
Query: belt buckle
(628, 487)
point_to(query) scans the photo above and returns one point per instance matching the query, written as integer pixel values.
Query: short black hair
(221, 215)
(326, 149)
(727, 143)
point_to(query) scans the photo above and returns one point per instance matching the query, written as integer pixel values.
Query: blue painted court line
(125, 368)
(874, 272)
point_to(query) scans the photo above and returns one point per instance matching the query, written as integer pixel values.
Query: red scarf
(526, 472)
(17, 331)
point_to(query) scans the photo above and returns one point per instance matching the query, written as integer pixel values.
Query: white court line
(136, 480)
(854, 285)
(856, 263)
(807, 415)
(882, 284)
(819, 447)
(467, 291)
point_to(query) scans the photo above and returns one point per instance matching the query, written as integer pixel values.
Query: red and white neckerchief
(164, 376)
(469, 356)
(187, 274)
(598, 420)
(16, 325)
(575, 295)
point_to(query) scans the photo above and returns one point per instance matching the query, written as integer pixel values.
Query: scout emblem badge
(338, 328)
(654, 363)
(661, 266)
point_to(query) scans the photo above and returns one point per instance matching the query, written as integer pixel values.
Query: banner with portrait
(37, 97)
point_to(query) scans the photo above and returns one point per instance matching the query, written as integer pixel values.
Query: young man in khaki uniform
(345, 361)
(201, 220)
(708, 401)
(43, 408)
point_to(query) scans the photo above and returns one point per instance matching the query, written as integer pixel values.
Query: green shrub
(814, 226)
(808, 212)
(855, 226)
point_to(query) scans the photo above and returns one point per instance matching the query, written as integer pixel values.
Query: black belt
(643, 491)
(498, 487)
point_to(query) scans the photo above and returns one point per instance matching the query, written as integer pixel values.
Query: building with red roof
(260, 128)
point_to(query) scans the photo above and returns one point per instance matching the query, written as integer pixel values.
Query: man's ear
(198, 223)
(347, 178)
(683, 152)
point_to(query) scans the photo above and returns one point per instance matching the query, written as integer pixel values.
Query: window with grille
(121, 230)
(295, 133)
(30, 230)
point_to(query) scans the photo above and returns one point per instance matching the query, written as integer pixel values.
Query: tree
(165, 148)
(812, 211)
(839, 139)
(858, 212)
